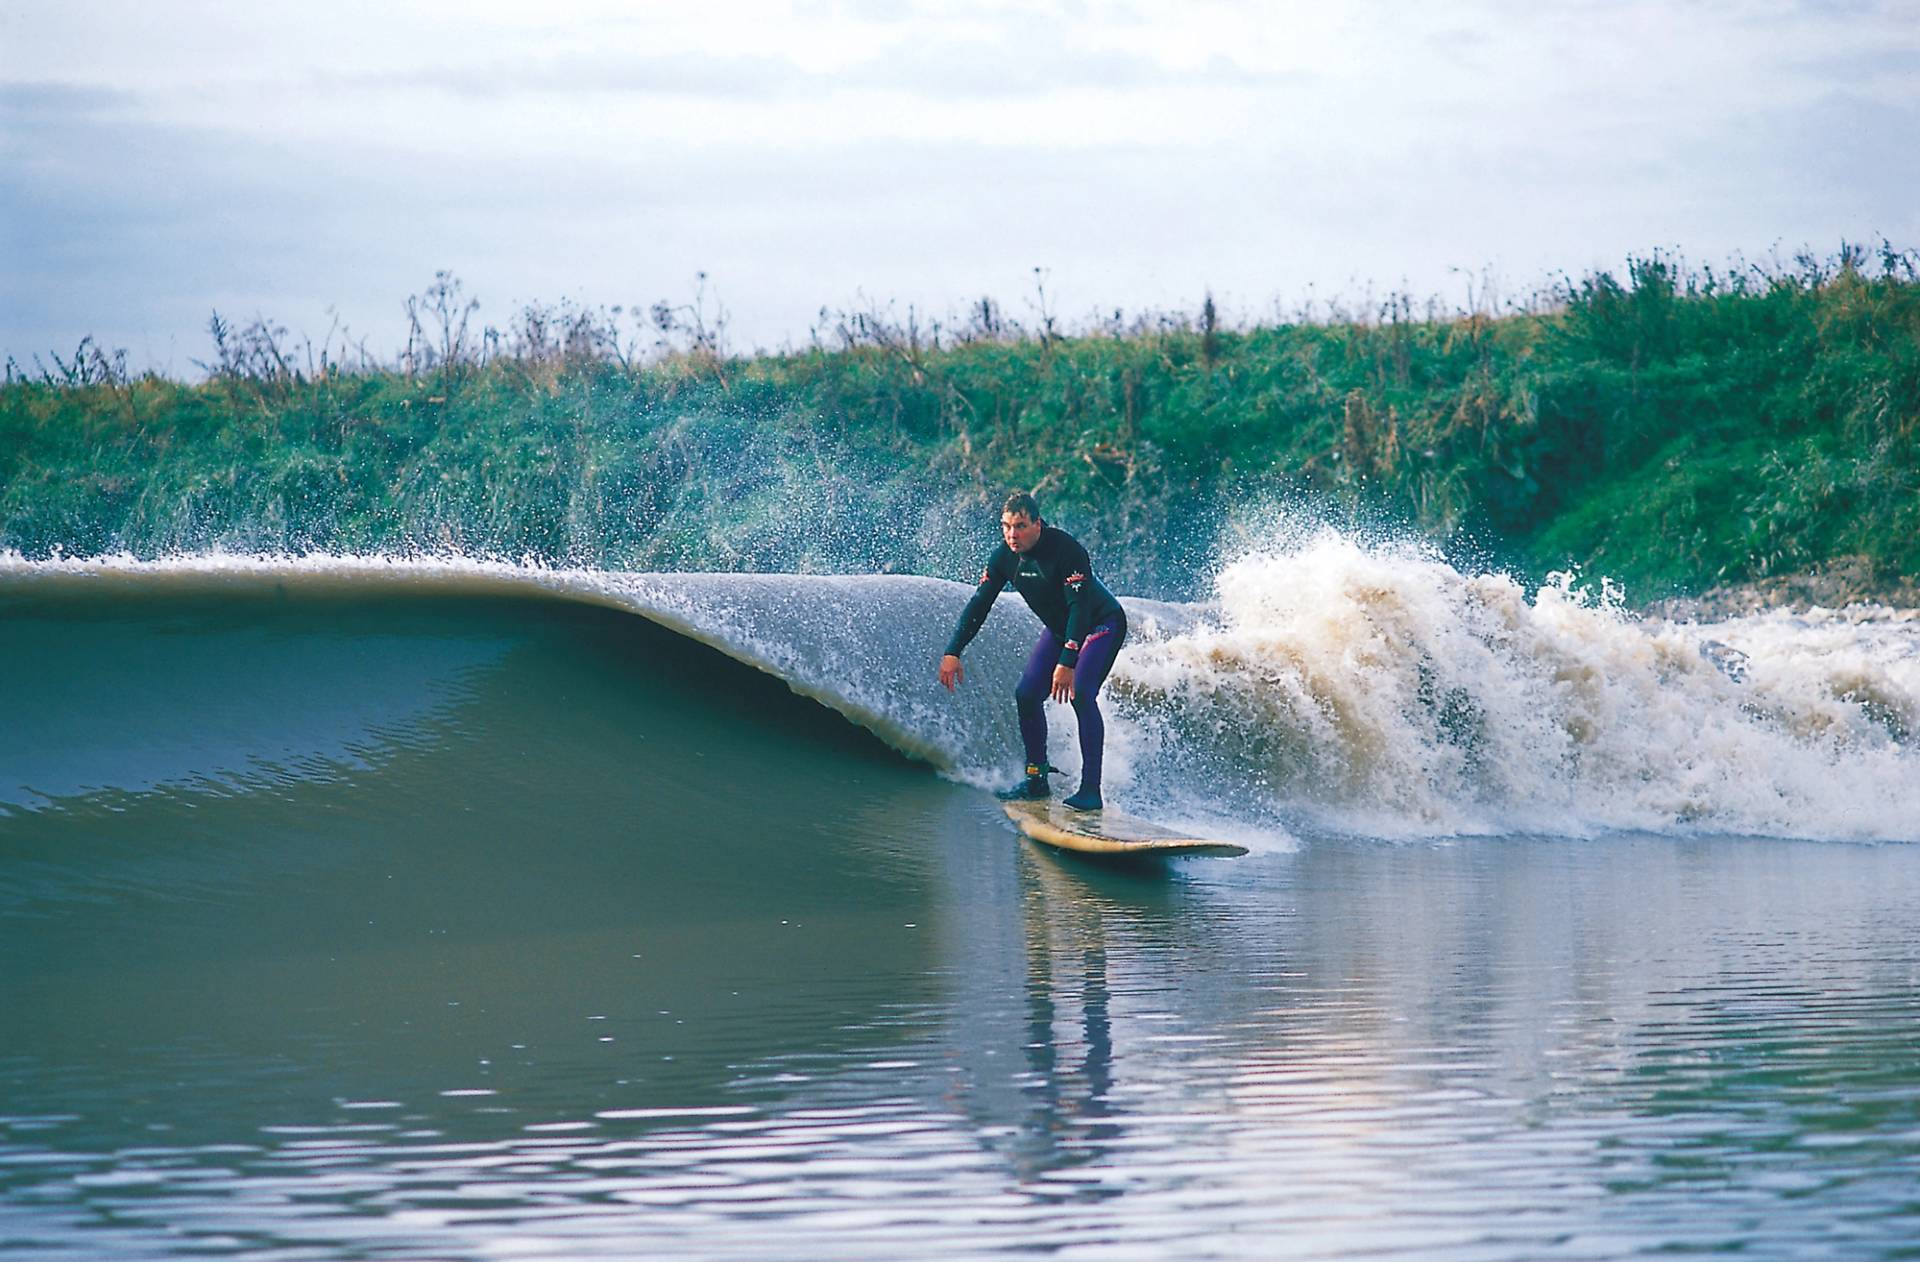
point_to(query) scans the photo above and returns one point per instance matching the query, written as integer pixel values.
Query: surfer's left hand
(1063, 683)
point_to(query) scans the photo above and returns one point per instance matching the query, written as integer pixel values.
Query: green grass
(1673, 430)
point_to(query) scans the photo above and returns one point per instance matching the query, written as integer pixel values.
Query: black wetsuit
(1055, 578)
(1085, 628)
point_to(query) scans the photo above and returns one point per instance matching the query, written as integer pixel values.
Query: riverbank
(1679, 432)
(1840, 583)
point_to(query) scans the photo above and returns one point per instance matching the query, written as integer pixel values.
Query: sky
(316, 164)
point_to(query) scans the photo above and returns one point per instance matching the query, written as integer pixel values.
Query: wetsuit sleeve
(975, 614)
(1073, 585)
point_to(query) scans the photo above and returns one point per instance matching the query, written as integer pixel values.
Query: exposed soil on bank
(1843, 581)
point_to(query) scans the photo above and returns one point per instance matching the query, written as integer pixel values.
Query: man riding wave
(1084, 629)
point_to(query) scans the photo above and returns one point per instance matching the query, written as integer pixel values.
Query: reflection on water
(614, 950)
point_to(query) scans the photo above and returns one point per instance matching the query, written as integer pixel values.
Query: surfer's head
(1020, 521)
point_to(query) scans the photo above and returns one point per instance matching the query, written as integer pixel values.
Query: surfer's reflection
(1055, 971)
(1076, 928)
(1069, 1044)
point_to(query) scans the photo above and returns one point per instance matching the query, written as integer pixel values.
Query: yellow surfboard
(1107, 832)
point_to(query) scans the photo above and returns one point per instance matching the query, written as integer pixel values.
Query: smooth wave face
(364, 909)
(856, 644)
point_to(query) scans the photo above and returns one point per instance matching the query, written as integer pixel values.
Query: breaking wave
(1329, 685)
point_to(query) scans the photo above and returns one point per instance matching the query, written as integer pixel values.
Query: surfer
(1085, 627)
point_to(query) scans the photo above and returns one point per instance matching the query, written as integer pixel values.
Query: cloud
(930, 163)
(731, 77)
(31, 98)
(1852, 155)
(1896, 68)
(1006, 62)
(1459, 43)
(134, 231)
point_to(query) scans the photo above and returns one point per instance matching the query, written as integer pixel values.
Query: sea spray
(1375, 688)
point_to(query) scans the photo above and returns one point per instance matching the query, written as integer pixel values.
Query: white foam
(1380, 690)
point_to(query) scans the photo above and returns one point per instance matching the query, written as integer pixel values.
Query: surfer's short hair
(1022, 503)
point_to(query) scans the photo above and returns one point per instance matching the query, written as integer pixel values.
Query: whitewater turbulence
(1380, 690)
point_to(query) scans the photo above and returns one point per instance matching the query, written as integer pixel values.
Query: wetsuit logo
(1076, 580)
(985, 576)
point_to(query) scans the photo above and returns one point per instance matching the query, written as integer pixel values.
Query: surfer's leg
(1030, 697)
(1096, 660)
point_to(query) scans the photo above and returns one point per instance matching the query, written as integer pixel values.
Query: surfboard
(1107, 832)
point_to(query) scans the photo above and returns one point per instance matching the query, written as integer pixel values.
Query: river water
(376, 911)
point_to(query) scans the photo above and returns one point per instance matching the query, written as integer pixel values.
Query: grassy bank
(1675, 430)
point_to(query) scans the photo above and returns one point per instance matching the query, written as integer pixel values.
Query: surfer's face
(1020, 531)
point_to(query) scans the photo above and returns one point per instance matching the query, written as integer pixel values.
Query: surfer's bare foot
(1085, 800)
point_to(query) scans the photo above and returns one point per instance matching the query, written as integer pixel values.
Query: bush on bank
(1670, 428)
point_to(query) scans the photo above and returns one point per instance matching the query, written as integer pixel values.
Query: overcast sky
(159, 160)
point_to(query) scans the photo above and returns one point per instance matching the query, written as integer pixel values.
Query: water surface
(362, 925)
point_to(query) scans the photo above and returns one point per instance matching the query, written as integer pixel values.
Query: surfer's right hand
(951, 671)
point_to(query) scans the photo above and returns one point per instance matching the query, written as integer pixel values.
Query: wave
(864, 646)
(1329, 685)
(1381, 690)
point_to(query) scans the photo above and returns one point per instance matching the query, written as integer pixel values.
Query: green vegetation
(1673, 429)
